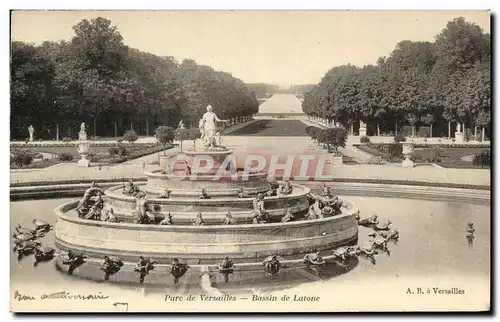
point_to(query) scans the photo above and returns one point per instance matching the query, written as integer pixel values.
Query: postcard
(250, 161)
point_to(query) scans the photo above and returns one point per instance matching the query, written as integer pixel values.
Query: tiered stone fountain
(243, 241)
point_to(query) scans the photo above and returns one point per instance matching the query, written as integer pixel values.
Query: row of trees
(420, 83)
(95, 78)
(331, 138)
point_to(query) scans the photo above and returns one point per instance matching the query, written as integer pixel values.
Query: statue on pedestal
(458, 127)
(82, 135)
(208, 129)
(31, 131)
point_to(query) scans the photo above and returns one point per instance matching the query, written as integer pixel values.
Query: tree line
(429, 84)
(95, 78)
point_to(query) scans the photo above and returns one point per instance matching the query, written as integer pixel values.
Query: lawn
(99, 154)
(272, 128)
(450, 157)
(447, 157)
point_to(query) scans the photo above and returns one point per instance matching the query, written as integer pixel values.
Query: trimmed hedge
(482, 159)
(391, 152)
(75, 143)
(75, 181)
(440, 145)
(64, 157)
(399, 138)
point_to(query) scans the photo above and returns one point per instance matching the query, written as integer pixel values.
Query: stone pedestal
(84, 162)
(407, 163)
(459, 137)
(164, 160)
(83, 149)
(407, 151)
(208, 162)
(362, 132)
(336, 160)
(82, 136)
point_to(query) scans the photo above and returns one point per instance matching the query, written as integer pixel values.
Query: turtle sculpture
(368, 222)
(26, 248)
(73, 261)
(43, 254)
(178, 269)
(367, 251)
(41, 226)
(344, 252)
(271, 265)
(21, 238)
(143, 267)
(379, 242)
(111, 266)
(387, 234)
(226, 267)
(314, 259)
(385, 225)
(19, 230)
(471, 229)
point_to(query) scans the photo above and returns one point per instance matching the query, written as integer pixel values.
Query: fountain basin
(162, 243)
(223, 185)
(183, 201)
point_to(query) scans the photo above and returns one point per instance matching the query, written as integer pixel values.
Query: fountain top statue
(208, 129)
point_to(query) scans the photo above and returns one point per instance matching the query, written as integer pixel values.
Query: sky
(279, 47)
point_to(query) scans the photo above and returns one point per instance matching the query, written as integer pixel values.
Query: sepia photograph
(250, 161)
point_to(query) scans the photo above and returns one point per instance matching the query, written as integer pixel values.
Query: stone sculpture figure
(208, 128)
(181, 125)
(198, 221)
(31, 131)
(229, 220)
(82, 127)
(287, 188)
(458, 127)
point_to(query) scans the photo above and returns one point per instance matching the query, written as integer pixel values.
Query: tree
(130, 136)
(334, 138)
(194, 134)
(96, 78)
(164, 135)
(419, 82)
(482, 159)
(429, 120)
(313, 131)
(181, 134)
(461, 45)
(32, 90)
